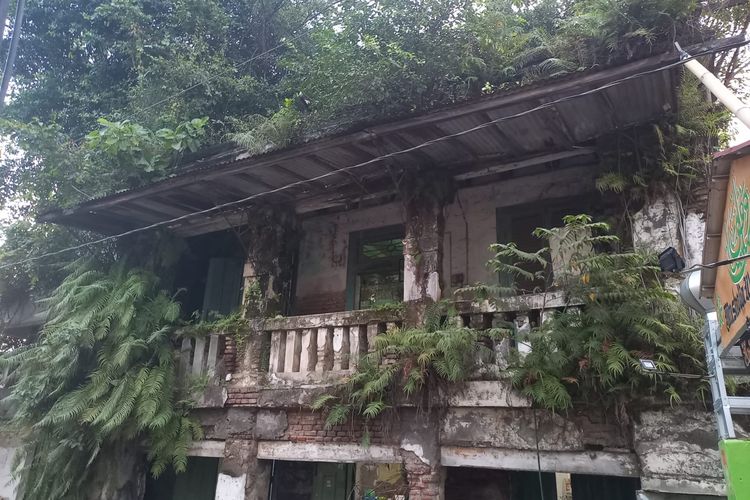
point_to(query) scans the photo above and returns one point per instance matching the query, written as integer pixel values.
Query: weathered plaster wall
(321, 277)
(661, 223)
(672, 450)
(321, 280)
(678, 452)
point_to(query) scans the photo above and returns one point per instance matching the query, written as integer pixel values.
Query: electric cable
(376, 159)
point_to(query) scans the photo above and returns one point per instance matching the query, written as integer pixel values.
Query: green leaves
(405, 362)
(136, 154)
(98, 376)
(619, 312)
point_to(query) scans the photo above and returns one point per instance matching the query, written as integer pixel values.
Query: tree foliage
(102, 373)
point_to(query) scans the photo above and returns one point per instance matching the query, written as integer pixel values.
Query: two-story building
(332, 231)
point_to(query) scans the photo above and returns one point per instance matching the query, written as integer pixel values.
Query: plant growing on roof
(101, 375)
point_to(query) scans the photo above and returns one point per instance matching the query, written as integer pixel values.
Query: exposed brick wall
(425, 480)
(229, 353)
(320, 303)
(310, 427)
(242, 396)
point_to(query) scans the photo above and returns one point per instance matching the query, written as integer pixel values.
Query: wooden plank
(528, 162)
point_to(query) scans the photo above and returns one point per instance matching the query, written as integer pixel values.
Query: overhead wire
(376, 159)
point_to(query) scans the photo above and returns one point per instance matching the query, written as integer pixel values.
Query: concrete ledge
(327, 452)
(490, 393)
(210, 449)
(708, 486)
(358, 317)
(581, 462)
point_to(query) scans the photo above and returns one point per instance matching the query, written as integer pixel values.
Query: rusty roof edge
(233, 157)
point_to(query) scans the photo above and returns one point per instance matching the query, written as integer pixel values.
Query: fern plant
(404, 363)
(622, 313)
(101, 374)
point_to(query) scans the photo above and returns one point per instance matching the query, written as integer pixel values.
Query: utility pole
(11, 60)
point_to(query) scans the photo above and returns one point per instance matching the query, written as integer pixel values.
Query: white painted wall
(7, 486)
(471, 217)
(230, 488)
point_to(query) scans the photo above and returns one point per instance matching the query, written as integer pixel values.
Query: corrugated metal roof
(231, 175)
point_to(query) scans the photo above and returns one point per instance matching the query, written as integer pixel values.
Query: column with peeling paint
(425, 197)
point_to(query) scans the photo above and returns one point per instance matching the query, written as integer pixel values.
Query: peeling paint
(230, 488)
(417, 449)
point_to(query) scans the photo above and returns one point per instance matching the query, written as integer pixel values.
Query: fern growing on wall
(406, 361)
(620, 312)
(101, 374)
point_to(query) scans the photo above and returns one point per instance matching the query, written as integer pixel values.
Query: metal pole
(718, 89)
(11, 60)
(722, 407)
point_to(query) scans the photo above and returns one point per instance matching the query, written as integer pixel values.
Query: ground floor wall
(476, 447)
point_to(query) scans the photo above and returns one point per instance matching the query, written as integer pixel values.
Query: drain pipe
(717, 88)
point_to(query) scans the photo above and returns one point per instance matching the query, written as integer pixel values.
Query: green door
(333, 481)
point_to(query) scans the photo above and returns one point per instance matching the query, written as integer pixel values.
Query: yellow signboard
(732, 289)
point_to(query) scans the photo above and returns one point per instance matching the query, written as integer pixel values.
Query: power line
(372, 160)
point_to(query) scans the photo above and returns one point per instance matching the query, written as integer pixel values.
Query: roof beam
(528, 162)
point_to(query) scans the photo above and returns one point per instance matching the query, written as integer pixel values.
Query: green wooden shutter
(223, 287)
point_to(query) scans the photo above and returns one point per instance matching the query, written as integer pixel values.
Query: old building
(333, 231)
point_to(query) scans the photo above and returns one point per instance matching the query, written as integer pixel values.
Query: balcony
(323, 347)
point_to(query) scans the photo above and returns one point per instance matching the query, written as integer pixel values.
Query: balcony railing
(522, 312)
(322, 347)
(302, 346)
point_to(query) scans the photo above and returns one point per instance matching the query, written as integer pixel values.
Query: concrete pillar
(118, 475)
(241, 475)
(420, 452)
(424, 199)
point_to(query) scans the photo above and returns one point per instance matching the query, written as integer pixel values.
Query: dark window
(375, 270)
(517, 223)
(198, 482)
